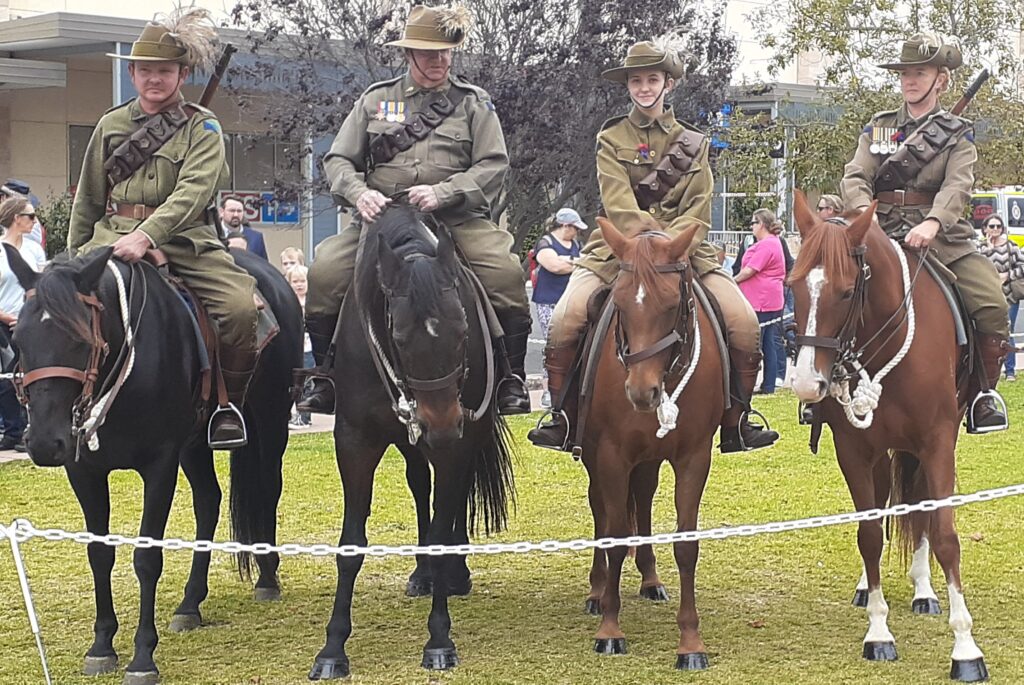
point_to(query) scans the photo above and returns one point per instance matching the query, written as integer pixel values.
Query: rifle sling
(676, 161)
(385, 146)
(918, 150)
(132, 154)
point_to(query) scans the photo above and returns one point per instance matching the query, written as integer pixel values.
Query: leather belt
(138, 212)
(905, 197)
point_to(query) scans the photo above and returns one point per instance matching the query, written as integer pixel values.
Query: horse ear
(859, 226)
(446, 249)
(613, 236)
(806, 221)
(388, 263)
(680, 245)
(22, 271)
(87, 277)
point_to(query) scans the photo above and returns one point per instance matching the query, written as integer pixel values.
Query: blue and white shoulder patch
(212, 125)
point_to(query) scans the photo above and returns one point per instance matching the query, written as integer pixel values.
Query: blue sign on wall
(278, 211)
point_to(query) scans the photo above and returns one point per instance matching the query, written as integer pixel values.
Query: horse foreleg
(599, 566)
(925, 601)
(417, 475)
(613, 487)
(691, 476)
(160, 480)
(880, 474)
(644, 483)
(357, 466)
(197, 463)
(93, 492)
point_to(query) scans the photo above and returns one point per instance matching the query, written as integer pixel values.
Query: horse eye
(848, 295)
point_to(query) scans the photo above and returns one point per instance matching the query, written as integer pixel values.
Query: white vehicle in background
(1007, 202)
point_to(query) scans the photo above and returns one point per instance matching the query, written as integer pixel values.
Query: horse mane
(829, 247)
(57, 295)
(645, 272)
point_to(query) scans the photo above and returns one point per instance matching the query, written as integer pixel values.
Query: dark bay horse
(662, 336)
(414, 369)
(154, 424)
(852, 311)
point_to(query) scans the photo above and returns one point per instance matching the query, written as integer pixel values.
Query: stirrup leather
(1000, 403)
(225, 445)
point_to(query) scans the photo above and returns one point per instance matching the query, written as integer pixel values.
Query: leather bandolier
(385, 146)
(139, 148)
(918, 150)
(675, 161)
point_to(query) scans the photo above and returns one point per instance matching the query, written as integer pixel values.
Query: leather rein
(678, 339)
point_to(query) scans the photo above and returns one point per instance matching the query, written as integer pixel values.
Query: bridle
(678, 339)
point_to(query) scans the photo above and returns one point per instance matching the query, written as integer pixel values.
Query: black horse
(154, 423)
(415, 369)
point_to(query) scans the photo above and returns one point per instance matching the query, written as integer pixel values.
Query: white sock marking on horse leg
(878, 614)
(640, 295)
(964, 647)
(921, 571)
(862, 584)
(805, 376)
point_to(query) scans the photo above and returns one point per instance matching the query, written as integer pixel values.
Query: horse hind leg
(925, 601)
(643, 485)
(599, 565)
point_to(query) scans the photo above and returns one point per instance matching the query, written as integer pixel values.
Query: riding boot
(987, 410)
(319, 398)
(227, 427)
(738, 434)
(554, 433)
(513, 397)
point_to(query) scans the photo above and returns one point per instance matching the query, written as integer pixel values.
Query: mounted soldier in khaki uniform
(654, 174)
(149, 180)
(435, 140)
(918, 162)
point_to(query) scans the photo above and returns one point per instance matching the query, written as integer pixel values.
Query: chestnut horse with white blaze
(867, 312)
(663, 338)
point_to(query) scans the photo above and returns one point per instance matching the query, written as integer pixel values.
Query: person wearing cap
(163, 203)
(452, 169)
(556, 254)
(628, 149)
(923, 204)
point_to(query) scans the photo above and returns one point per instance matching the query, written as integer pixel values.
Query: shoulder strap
(918, 150)
(398, 138)
(675, 161)
(132, 154)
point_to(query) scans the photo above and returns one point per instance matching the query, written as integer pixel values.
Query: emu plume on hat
(435, 28)
(186, 35)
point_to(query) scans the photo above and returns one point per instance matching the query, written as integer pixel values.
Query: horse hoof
(696, 661)
(267, 594)
(182, 623)
(655, 593)
(440, 659)
(860, 598)
(141, 678)
(929, 606)
(329, 669)
(98, 665)
(610, 645)
(460, 588)
(969, 670)
(880, 651)
(592, 607)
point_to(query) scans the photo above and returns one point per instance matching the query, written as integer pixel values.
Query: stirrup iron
(226, 445)
(1000, 403)
(744, 417)
(568, 431)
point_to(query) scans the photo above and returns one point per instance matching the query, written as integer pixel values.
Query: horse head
(428, 332)
(59, 347)
(655, 308)
(829, 281)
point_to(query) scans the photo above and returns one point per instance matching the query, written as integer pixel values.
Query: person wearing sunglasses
(829, 206)
(1009, 262)
(17, 217)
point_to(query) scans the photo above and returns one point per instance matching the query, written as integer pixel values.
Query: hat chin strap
(927, 92)
(658, 99)
(412, 56)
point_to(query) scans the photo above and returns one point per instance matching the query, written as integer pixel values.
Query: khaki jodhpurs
(571, 312)
(487, 248)
(979, 285)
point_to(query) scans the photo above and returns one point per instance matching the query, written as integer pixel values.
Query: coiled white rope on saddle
(668, 410)
(89, 426)
(860, 407)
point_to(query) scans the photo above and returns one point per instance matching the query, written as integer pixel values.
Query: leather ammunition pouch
(676, 161)
(385, 146)
(132, 154)
(918, 150)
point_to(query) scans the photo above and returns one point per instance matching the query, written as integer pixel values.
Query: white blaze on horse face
(807, 380)
(45, 316)
(878, 615)
(431, 325)
(640, 295)
(964, 647)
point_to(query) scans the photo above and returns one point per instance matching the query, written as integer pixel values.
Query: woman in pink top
(761, 277)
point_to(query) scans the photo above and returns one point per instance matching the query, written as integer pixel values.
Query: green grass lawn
(774, 609)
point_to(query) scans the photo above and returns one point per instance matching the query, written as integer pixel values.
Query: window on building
(78, 140)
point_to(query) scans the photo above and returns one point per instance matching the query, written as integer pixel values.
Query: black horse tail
(253, 499)
(908, 486)
(493, 488)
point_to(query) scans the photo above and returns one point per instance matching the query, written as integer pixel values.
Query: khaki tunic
(619, 168)
(464, 160)
(181, 180)
(950, 175)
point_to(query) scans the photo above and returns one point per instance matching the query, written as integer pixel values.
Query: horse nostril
(655, 395)
(822, 387)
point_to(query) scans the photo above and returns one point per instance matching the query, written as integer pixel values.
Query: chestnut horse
(895, 442)
(660, 328)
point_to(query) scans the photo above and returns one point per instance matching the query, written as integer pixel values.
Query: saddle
(207, 343)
